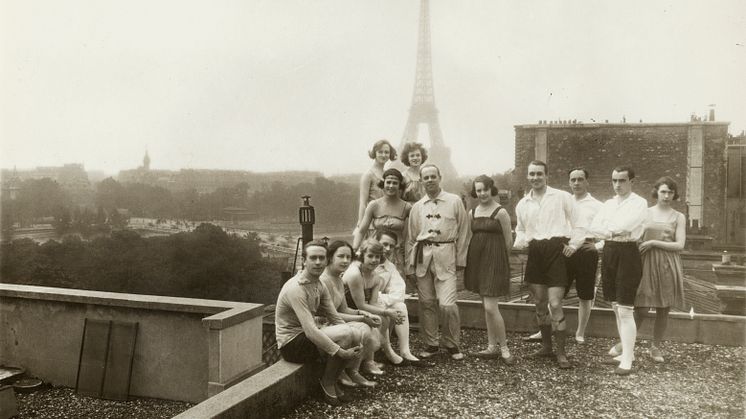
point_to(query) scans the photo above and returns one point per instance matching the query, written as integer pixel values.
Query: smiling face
(388, 244)
(315, 260)
(391, 186)
(415, 158)
(578, 183)
(341, 259)
(484, 194)
(431, 179)
(371, 259)
(621, 183)
(665, 195)
(383, 154)
(537, 177)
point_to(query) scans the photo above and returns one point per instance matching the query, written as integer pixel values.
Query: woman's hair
(334, 246)
(410, 147)
(387, 232)
(372, 246)
(485, 180)
(378, 145)
(665, 180)
(392, 172)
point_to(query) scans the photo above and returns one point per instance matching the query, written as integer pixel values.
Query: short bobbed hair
(665, 180)
(314, 243)
(410, 147)
(378, 145)
(336, 245)
(370, 245)
(392, 172)
(487, 181)
(620, 169)
(387, 232)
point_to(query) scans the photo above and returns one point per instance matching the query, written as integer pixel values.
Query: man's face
(578, 182)
(315, 260)
(431, 179)
(388, 244)
(622, 183)
(537, 176)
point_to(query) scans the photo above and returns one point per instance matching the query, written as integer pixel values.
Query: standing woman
(339, 255)
(413, 155)
(389, 212)
(487, 263)
(381, 152)
(662, 284)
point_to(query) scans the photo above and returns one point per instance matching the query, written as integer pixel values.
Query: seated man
(303, 301)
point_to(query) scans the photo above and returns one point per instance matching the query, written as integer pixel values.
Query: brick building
(693, 153)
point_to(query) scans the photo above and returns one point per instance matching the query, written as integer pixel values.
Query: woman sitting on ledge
(300, 337)
(339, 255)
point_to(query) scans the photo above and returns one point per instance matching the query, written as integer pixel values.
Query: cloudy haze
(281, 84)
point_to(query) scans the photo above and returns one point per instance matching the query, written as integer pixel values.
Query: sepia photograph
(384, 209)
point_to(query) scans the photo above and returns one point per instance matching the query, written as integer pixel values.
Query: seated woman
(391, 295)
(389, 212)
(300, 337)
(339, 255)
(362, 291)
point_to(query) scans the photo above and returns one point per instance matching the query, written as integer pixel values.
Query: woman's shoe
(656, 354)
(616, 350)
(345, 380)
(392, 356)
(361, 381)
(510, 360)
(370, 367)
(328, 398)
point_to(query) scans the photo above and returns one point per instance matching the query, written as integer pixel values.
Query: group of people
(349, 298)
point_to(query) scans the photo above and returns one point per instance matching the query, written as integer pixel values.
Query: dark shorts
(300, 350)
(546, 263)
(581, 269)
(621, 271)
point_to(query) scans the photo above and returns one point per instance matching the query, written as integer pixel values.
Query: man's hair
(585, 171)
(312, 243)
(426, 165)
(630, 172)
(539, 163)
(387, 232)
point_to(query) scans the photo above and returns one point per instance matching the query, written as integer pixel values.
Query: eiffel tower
(423, 110)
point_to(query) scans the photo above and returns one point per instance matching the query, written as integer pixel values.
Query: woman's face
(383, 153)
(371, 260)
(341, 259)
(665, 194)
(415, 158)
(391, 185)
(484, 194)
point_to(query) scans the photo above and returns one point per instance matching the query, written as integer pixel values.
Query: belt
(421, 244)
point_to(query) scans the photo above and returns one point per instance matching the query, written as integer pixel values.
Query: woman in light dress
(413, 155)
(381, 153)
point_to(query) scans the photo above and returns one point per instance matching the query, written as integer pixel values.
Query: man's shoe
(510, 360)
(622, 371)
(456, 354)
(328, 398)
(536, 337)
(345, 380)
(488, 353)
(656, 354)
(429, 352)
(341, 395)
(616, 350)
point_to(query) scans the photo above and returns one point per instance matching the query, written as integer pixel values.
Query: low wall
(187, 349)
(710, 329)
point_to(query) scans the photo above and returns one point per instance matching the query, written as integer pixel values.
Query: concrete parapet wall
(710, 329)
(187, 349)
(267, 394)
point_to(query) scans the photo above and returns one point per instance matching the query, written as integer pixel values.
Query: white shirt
(555, 215)
(393, 287)
(587, 208)
(621, 218)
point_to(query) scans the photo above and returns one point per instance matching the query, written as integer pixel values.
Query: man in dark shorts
(302, 301)
(620, 224)
(547, 222)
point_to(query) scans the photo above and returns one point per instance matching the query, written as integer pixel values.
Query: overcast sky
(286, 84)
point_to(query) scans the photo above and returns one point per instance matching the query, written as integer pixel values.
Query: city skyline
(271, 86)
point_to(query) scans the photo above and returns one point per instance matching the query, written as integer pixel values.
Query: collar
(550, 191)
(302, 279)
(439, 197)
(587, 197)
(629, 197)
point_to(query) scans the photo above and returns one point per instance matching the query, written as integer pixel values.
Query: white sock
(628, 335)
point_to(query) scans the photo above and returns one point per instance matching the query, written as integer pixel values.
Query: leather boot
(561, 337)
(546, 342)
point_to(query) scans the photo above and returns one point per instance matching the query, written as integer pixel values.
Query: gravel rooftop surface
(695, 381)
(62, 402)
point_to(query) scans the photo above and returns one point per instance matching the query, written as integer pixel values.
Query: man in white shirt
(437, 239)
(620, 224)
(547, 222)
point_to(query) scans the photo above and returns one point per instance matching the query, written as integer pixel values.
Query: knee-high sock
(628, 335)
(584, 313)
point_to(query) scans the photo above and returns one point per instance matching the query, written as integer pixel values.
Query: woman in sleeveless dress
(339, 257)
(413, 155)
(389, 212)
(362, 287)
(662, 284)
(381, 153)
(487, 263)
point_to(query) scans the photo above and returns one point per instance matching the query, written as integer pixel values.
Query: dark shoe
(328, 398)
(623, 371)
(342, 396)
(488, 353)
(561, 339)
(563, 363)
(456, 354)
(546, 342)
(429, 351)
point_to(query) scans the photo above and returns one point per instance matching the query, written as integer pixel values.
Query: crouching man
(308, 326)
